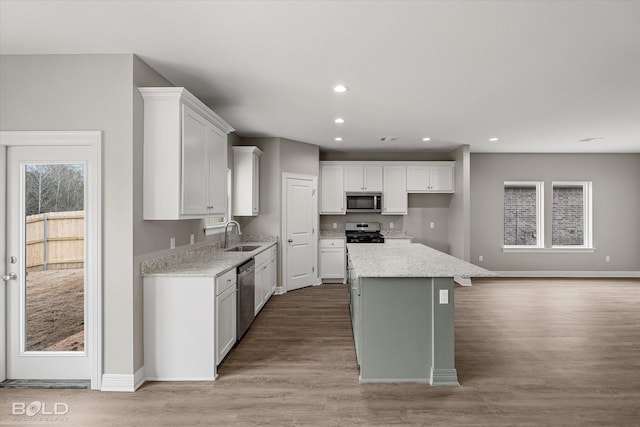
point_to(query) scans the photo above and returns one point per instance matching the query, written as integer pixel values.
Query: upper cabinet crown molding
(185, 156)
(180, 94)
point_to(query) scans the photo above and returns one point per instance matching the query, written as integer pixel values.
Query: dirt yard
(55, 310)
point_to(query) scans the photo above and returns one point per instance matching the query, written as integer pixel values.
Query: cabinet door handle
(290, 240)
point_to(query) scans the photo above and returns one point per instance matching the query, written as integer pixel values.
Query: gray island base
(403, 310)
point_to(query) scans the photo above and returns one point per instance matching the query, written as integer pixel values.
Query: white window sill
(556, 250)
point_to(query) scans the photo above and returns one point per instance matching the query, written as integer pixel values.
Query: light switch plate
(444, 296)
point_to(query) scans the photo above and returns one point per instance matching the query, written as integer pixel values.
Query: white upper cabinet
(394, 197)
(362, 178)
(436, 177)
(332, 189)
(185, 156)
(246, 181)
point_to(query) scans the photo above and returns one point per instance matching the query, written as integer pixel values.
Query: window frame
(539, 186)
(587, 214)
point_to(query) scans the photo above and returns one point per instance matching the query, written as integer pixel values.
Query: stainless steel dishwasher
(246, 298)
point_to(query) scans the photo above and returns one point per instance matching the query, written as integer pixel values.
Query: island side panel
(179, 340)
(443, 371)
(395, 329)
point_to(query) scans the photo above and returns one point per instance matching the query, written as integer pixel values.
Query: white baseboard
(123, 382)
(577, 274)
(280, 290)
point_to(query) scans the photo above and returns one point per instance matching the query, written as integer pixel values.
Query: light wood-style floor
(529, 353)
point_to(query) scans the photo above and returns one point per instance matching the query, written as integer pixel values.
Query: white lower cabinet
(332, 260)
(265, 277)
(226, 309)
(187, 327)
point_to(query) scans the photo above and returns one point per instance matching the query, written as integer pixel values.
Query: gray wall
(99, 92)
(459, 209)
(616, 209)
(425, 209)
(278, 155)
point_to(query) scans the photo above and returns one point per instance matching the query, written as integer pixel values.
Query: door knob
(10, 276)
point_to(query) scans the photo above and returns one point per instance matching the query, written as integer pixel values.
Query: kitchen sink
(242, 248)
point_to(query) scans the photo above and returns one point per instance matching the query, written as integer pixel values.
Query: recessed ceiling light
(340, 88)
(338, 139)
(426, 139)
(339, 120)
(493, 139)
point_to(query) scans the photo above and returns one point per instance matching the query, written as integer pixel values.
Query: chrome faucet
(226, 228)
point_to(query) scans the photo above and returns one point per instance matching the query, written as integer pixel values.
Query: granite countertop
(411, 260)
(202, 261)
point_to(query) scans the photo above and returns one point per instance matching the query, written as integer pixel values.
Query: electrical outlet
(172, 243)
(390, 225)
(432, 225)
(335, 225)
(480, 258)
(192, 239)
(607, 259)
(444, 296)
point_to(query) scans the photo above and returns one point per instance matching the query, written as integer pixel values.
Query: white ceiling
(539, 75)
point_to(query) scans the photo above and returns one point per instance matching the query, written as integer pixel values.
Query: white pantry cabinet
(332, 259)
(185, 156)
(436, 177)
(246, 180)
(226, 309)
(362, 178)
(332, 189)
(394, 197)
(265, 277)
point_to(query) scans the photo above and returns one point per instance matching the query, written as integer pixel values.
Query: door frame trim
(283, 224)
(93, 140)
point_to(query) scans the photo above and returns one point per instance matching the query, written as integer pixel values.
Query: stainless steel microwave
(364, 202)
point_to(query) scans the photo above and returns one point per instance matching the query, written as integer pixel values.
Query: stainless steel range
(363, 232)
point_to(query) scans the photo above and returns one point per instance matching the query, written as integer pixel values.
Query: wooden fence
(55, 241)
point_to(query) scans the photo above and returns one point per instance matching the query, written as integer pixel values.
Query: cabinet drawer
(332, 243)
(262, 257)
(226, 281)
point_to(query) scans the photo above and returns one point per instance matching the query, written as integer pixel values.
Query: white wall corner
(123, 382)
(280, 290)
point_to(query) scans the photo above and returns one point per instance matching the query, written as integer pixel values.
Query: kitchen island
(402, 311)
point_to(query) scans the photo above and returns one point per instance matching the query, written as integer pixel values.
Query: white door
(299, 231)
(52, 265)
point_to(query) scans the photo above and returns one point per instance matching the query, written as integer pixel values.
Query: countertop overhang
(410, 260)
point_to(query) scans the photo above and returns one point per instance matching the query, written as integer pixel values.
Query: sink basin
(241, 248)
